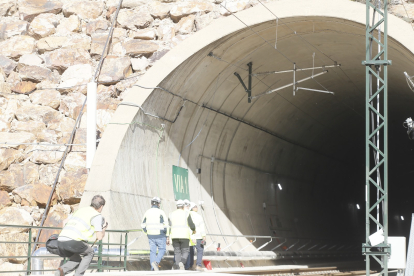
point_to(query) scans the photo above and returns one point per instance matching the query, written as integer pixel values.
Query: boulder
(139, 64)
(34, 74)
(177, 40)
(13, 28)
(233, 6)
(47, 173)
(29, 60)
(61, 59)
(159, 10)
(158, 55)
(71, 104)
(120, 33)
(166, 30)
(145, 34)
(36, 194)
(69, 25)
(132, 3)
(131, 19)
(185, 8)
(115, 69)
(84, 9)
(80, 138)
(74, 76)
(98, 26)
(8, 114)
(124, 84)
(98, 44)
(49, 97)
(29, 126)
(16, 216)
(185, 25)
(72, 185)
(7, 64)
(9, 156)
(17, 46)
(4, 125)
(14, 249)
(55, 218)
(63, 124)
(29, 9)
(4, 199)
(47, 136)
(75, 161)
(24, 87)
(43, 25)
(37, 113)
(103, 117)
(136, 47)
(103, 92)
(21, 137)
(19, 175)
(109, 103)
(7, 8)
(51, 43)
(78, 41)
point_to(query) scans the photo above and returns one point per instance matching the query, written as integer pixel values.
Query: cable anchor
(248, 89)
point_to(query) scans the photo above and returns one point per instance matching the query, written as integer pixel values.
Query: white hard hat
(192, 205)
(187, 202)
(179, 202)
(156, 199)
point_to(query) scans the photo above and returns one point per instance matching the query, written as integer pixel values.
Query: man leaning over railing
(77, 231)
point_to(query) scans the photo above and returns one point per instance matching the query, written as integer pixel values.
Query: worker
(187, 205)
(155, 225)
(197, 240)
(79, 229)
(181, 227)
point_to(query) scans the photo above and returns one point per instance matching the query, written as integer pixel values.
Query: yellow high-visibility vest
(79, 226)
(152, 221)
(179, 225)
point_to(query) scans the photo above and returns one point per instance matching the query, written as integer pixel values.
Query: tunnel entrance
(283, 165)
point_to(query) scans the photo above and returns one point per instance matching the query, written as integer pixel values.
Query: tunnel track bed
(316, 271)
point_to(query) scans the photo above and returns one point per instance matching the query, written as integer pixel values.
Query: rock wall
(49, 50)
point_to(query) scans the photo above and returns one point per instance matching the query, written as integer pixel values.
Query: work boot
(59, 272)
(154, 265)
(199, 268)
(181, 265)
(175, 267)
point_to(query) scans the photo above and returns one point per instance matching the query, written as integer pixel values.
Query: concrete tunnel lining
(125, 162)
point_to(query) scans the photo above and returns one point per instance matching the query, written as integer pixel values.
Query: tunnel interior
(237, 153)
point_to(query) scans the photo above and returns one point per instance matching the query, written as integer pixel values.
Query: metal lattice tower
(376, 130)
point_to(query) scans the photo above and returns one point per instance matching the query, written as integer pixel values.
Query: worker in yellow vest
(181, 227)
(197, 240)
(85, 225)
(155, 225)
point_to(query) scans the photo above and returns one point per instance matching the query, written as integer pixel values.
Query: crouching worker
(155, 225)
(78, 229)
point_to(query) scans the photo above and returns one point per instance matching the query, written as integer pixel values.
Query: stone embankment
(48, 50)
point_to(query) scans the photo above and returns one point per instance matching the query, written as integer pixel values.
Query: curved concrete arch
(306, 142)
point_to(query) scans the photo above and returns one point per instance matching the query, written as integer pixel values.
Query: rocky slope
(48, 50)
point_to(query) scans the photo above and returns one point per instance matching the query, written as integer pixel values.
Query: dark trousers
(181, 250)
(200, 251)
(74, 250)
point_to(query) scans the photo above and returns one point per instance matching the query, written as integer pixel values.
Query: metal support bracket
(248, 89)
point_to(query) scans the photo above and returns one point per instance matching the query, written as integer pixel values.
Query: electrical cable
(72, 136)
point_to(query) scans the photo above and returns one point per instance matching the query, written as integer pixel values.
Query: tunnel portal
(237, 152)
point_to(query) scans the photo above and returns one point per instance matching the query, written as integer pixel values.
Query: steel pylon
(376, 131)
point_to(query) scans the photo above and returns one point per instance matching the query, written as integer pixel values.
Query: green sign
(180, 183)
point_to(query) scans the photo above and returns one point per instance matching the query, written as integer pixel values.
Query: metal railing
(100, 250)
(111, 251)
